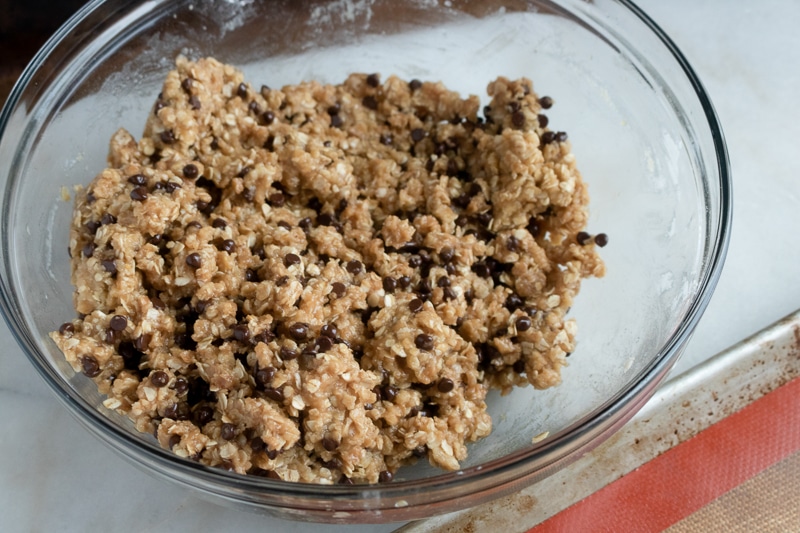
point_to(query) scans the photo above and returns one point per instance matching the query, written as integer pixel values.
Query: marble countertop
(54, 476)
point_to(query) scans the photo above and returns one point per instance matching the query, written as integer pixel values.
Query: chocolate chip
(546, 102)
(423, 341)
(137, 179)
(417, 134)
(355, 267)
(203, 415)
(273, 394)
(329, 330)
(254, 108)
(523, 323)
(159, 379)
(446, 254)
(190, 171)
(543, 120)
(338, 289)
(385, 477)
(167, 137)
(241, 91)
(449, 294)
(90, 366)
(174, 440)
(452, 167)
(386, 139)
(444, 281)
(298, 331)
(194, 260)
(109, 266)
(194, 224)
(415, 305)
(219, 223)
(291, 259)
(445, 385)
(388, 393)
(88, 249)
(601, 239)
(420, 451)
(139, 194)
(561, 136)
(277, 199)
(518, 119)
(194, 102)
(228, 246)
(241, 333)
(512, 244)
(142, 342)
(583, 238)
(305, 224)
(336, 121)
(344, 480)
(93, 226)
(323, 344)
(373, 80)
(330, 444)
(414, 84)
(287, 354)
(118, 323)
(249, 194)
(370, 102)
(404, 282)
(281, 281)
(389, 284)
(268, 117)
(66, 328)
(227, 431)
(264, 376)
(181, 386)
(534, 228)
(519, 366)
(514, 302)
(108, 218)
(334, 109)
(548, 137)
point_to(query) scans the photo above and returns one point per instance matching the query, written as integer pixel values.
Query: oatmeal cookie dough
(320, 283)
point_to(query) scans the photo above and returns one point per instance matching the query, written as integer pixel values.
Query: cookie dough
(320, 283)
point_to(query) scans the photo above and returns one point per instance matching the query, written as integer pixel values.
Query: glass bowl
(646, 138)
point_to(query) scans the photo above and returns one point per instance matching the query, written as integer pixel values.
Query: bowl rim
(510, 470)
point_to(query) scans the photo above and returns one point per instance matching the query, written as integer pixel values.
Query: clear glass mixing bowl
(643, 129)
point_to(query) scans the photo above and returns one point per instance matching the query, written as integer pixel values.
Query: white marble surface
(56, 477)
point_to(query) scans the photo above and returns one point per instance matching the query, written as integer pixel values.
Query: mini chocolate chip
(523, 323)
(285, 225)
(181, 386)
(137, 179)
(194, 260)
(338, 289)
(241, 91)
(277, 199)
(445, 385)
(203, 415)
(385, 477)
(388, 393)
(139, 194)
(142, 342)
(264, 376)
(93, 226)
(518, 119)
(159, 379)
(415, 305)
(519, 366)
(543, 120)
(329, 330)
(561, 136)
(194, 102)
(167, 136)
(66, 328)
(583, 238)
(333, 464)
(446, 254)
(190, 171)
(274, 394)
(512, 244)
(452, 167)
(90, 197)
(281, 281)
(334, 109)
(90, 366)
(256, 444)
(109, 266)
(108, 218)
(174, 440)
(228, 246)
(546, 102)
(330, 444)
(601, 239)
(88, 249)
(423, 341)
(118, 323)
(219, 223)
(534, 228)
(287, 353)
(186, 84)
(324, 344)
(251, 274)
(373, 80)
(482, 270)
(370, 102)
(389, 284)
(548, 137)
(336, 121)
(227, 431)
(354, 267)
(241, 333)
(514, 302)
(268, 117)
(254, 108)
(449, 294)
(417, 134)
(344, 480)
(386, 139)
(404, 282)
(414, 84)
(420, 451)
(249, 193)
(291, 259)
(298, 331)
(194, 224)
(444, 281)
